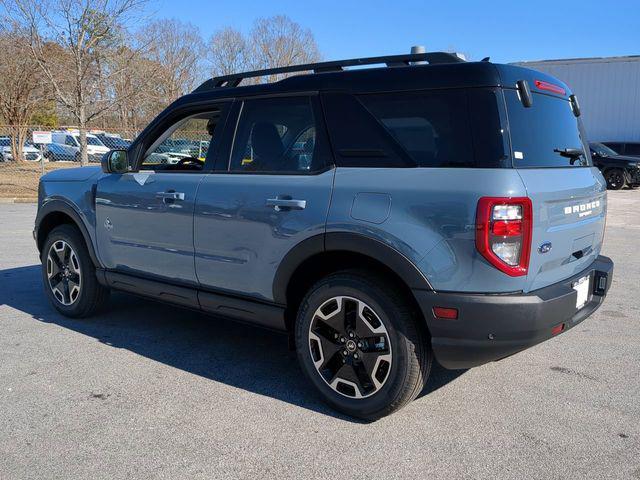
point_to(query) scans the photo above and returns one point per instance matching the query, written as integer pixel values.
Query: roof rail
(234, 80)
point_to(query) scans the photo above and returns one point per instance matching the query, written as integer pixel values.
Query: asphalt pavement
(150, 391)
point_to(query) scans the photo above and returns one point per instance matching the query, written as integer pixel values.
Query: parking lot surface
(149, 391)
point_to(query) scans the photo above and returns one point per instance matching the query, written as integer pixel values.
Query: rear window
(545, 135)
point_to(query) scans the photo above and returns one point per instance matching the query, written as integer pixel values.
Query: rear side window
(432, 128)
(547, 134)
(445, 128)
(277, 135)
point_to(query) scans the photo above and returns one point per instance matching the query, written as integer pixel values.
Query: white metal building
(608, 90)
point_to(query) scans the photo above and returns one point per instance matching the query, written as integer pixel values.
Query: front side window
(71, 141)
(184, 146)
(545, 135)
(277, 135)
(632, 149)
(94, 141)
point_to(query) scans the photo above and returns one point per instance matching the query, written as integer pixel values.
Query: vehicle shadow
(219, 349)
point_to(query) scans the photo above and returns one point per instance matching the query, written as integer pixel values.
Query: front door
(273, 193)
(144, 219)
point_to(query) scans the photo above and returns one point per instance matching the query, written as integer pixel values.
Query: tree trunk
(17, 142)
(82, 120)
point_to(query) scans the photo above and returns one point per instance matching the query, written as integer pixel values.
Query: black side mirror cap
(115, 161)
(525, 93)
(575, 106)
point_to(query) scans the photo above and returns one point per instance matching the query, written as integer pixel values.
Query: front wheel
(69, 275)
(615, 179)
(359, 342)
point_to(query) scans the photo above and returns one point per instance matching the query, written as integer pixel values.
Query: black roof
(401, 73)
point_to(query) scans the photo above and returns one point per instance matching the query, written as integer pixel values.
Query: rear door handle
(286, 204)
(170, 195)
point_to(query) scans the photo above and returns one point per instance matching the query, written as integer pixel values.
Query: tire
(616, 179)
(397, 364)
(65, 247)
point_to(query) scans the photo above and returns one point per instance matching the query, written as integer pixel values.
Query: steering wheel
(190, 161)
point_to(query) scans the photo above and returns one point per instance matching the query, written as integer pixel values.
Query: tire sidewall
(87, 270)
(385, 308)
(615, 171)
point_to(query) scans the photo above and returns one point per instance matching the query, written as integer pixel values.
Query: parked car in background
(30, 152)
(66, 147)
(630, 149)
(113, 141)
(618, 170)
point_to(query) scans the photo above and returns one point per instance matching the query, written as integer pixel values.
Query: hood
(25, 149)
(79, 174)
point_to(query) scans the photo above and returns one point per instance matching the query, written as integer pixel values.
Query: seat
(267, 147)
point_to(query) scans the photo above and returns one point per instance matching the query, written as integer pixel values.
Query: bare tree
(86, 32)
(176, 48)
(278, 41)
(228, 52)
(22, 85)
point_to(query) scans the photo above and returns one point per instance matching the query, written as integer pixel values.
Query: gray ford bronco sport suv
(382, 217)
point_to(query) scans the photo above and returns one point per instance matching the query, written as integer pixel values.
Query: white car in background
(65, 145)
(28, 151)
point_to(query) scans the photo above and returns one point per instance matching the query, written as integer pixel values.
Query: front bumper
(633, 177)
(490, 327)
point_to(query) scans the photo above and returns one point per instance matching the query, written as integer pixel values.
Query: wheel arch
(58, 212)
(321, 255)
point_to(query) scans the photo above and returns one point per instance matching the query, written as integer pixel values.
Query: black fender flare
(61, 206)
(346, 242)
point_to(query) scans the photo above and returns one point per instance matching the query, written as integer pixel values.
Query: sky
(506, 31)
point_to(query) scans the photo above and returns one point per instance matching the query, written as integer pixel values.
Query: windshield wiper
(571, 153)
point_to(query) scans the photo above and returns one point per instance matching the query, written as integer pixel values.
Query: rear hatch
(568, 194)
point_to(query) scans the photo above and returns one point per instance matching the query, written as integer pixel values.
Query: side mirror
(115, 161)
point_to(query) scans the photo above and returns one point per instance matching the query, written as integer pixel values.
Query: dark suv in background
(618, 170)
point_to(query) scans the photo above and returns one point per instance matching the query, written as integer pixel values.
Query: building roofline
(621, 58)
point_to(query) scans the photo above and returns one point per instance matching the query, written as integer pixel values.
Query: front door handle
(170, 196)
(286, 204)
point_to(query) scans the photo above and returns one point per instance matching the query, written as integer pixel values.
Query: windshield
(545, 135)
(602, 149)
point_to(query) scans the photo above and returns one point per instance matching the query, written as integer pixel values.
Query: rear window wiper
(571, 153)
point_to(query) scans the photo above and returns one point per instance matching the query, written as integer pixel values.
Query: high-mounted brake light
(503, 233)
(550, 87)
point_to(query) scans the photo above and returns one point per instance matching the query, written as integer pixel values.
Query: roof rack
(333, 66)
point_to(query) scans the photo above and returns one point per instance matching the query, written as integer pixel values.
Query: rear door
(272, 194)
(568, 194)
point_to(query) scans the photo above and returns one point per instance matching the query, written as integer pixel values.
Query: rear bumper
(492, 327)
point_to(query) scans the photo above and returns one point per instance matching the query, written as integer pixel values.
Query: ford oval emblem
(545, 247)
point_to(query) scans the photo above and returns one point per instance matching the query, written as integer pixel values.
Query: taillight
(503, 233)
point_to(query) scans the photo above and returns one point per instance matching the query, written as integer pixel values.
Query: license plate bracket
(581, 286)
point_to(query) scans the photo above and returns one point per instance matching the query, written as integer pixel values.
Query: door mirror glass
(115, 162)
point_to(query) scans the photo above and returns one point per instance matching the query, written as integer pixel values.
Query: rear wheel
(615, 178)
(69, 275)
(359, 343)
